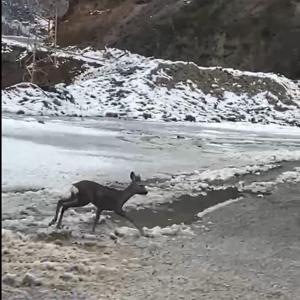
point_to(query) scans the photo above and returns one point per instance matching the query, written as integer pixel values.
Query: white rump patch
(74, 190)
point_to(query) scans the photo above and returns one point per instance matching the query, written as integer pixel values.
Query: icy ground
(54, 153)
(122, 84)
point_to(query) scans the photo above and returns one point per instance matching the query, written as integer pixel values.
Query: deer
(103, 197)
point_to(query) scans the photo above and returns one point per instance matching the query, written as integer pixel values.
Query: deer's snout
(144, 191)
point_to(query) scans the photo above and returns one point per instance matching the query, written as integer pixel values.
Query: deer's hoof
(51, 223)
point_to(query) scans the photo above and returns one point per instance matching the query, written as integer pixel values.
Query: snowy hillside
(115, 83)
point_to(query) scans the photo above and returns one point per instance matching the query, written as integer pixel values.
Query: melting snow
(172, 230)
(217, 206)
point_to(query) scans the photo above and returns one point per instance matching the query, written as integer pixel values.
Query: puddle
(269, 175)
(27, 212)
(182, 210)
(185, 208)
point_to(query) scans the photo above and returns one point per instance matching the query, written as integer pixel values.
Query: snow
(31, 262)
(39, 166)
(125, 84)
(19, 41)
(125, 231)
(273, 129)
(172, 230)
(197, 181)
(227, 173)
(217, 206)
(291, 87)
(268, 187)
(259, 187)
(32, 127)
(289, 176)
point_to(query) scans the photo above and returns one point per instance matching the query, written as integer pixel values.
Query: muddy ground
(248, 249)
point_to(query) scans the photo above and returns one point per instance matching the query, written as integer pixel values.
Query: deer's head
(136, 184)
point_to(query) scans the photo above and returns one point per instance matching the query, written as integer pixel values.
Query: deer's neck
(126, 195)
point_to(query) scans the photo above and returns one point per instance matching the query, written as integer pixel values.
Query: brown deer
(103, 197)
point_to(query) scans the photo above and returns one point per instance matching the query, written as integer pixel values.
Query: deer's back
(99, 195)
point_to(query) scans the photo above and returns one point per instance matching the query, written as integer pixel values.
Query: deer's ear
(132, 176)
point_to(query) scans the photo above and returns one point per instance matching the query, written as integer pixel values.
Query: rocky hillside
(255, 35)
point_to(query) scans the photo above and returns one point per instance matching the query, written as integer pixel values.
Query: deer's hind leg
(77, 201)
(58, 207)
(98, 213)
(61, 202)
(65, 206)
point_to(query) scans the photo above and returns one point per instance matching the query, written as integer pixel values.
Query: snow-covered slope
(117, 83)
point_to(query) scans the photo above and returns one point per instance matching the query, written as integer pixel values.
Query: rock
(215, 119)
(42, 235)
(90, 236)
(67, 276)
(57, 102)
(190, 118)
(80, 268)
(90, 243)
(10, 279)
(49, 265)
(111, 115)
(153, 247)
(147, 115)
(31, 280)
(5, 251)
(113, 236)
(231, 119)
(58, 242)
(127, 231)
(61, 234)
(20, 112)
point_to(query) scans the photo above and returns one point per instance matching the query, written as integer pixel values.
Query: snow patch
(11, 126)
(289, 176)
(259, 187)
(172, 230)
(217, 206)
(125, 231)
(268, 187)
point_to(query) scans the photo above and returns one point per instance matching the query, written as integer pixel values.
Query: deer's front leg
(122, 213)
(98, 213)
